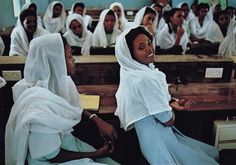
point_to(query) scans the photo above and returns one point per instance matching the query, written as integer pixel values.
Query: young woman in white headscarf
(79, 8)
(77, 34)
(160, 22)
(46, 107)
(55, 17)
(106, 30)
(118, 8)
(173, 38)
(143, 104)
(24, 32)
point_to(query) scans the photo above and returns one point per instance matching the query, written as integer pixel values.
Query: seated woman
(22, 34)
(2, 46)
(232, 14)
(77, 34)
(147, 17)
(160, 21)
(117, 7)
(106, 30)
(55, 17)
(185, 8)
(143, 104)
(79, 8)
(46, 107)
(173, 39)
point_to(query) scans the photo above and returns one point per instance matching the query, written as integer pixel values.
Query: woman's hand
(106, 150)
(181, 104)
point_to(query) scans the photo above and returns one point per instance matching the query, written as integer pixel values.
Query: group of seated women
(178, 30)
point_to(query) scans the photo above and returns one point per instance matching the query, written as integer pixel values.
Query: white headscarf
(19, 40)
(87, 18)
(139, 17)
(54, 25)
(2, 46)
(142, 90)
(85, 41)
(46, 100)
(122, 18)
(99, 35)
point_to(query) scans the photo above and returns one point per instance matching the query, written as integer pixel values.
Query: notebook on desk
(90, 102)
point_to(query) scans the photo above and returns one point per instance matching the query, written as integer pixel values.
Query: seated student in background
(106, 30)
(143, 103)
(2, 46)
(147, 17)
(160, 22)
(55, 17)
(46, 107)
(213, 10)
(77, 34)
(33, 7)
(232, 14)
(118, 8)
(173, 39)
(193, 10)
(24, 32)
(79, 8)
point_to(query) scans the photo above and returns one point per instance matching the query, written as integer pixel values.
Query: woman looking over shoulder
(143, 104)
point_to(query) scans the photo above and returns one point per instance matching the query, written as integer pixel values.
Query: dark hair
(25, 13)
(79, 4)
(171, 14)
(158, 5)
(149, 10)
(111, 12)
(33, 5)
(57, 4)
(133, 33)
(202, 5)
(184, 4)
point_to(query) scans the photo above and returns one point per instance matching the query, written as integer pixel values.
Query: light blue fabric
(163, 145)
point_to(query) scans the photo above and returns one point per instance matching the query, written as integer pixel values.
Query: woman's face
(148, 19)
(223, 20)
(117, 10)
(143, 49)
(185, 9)
(178, 18)
(70, 61)
(57, 11)
(202, 12)
(79, 10)
(30, 24)
(76, 27)
(109, 23)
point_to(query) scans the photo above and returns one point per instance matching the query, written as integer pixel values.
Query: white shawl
(85, 41)
(88, 20)
(46, 98)
(166, 40)
(142, 90)
(122, 18)
(2, 46)
(54, 25)
(197, 30)
(214, 34)
(99, 35)
(19, 41)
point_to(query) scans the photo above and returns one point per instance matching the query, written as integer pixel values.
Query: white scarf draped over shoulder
(142, 90)
(54, 25)
(19, 41)
(99, 35)
(85, 41)
(45, 101)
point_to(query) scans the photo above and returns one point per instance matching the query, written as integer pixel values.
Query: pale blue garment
(163, 145)
(46, 142)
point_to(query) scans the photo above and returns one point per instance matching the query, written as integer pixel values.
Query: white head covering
(122, 18)
(140, 87)
(54, 25)
(19, 40)
(85, 41)
(139, 17)
(2, 46)
(99, 35)
(46, 100)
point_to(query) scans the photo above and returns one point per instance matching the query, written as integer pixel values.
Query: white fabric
(214, 34)
(228, 46)
(166, 40)
(197, 30)
(99, 35)
(85, 41)
(161, 24)
(122, 18)
(46, 97)
(19, 41)
(2, 46)
(139, 18)
(54, 25)
(232, 25)
(136, 97)
(88, 20)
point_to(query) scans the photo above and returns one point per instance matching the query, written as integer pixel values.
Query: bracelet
(93, 115)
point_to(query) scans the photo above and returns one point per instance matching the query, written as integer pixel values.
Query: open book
(90, 102)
